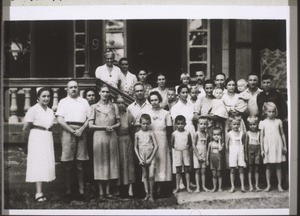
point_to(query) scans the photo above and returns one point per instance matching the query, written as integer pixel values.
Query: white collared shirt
(135, 110)
(73, 109)
(252, 103)
(112, 78)
(130, 80)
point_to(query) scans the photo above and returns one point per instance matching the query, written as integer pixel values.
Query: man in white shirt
(130, 79)
(200, 76)
(253, 91)
(72, 115)
(139, 106)
(110, 73)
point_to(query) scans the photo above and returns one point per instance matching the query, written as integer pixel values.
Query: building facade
(48, 53)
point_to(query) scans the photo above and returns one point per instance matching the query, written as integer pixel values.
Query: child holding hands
(235, 148)
(214, 157)
(181, 142)
(145, 146)
(253, 151)
(199, 147)
(273, 143)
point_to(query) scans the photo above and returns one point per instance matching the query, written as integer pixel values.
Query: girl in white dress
(273, 144)
(40, 160)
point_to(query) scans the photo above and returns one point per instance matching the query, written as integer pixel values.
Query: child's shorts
(186, 169)
(197, 163)
(236, 156)
(254, 154)
(182, 157)
(151, 168)
(215, 161)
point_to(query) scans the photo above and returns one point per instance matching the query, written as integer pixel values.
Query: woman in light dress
(161, 125)
(40, 160)
(105, 120)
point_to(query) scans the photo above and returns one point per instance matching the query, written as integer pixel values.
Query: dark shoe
(80, 197)
(68, 198)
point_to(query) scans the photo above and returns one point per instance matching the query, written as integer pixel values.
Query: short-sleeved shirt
(135, 110)
(73, 109)
(40, 117)
(130, 80)
(185, 109)
(252, 103)
(112, 78)
(203, 105)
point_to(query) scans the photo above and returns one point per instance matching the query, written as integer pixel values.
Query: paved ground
(185, 197)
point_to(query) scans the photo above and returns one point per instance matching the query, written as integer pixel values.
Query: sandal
(40, 199)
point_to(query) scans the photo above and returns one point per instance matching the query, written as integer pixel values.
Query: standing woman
(161, 125)
(230, 98)
(127, 172)
(104, 120)
(40, 160)
(92, 96)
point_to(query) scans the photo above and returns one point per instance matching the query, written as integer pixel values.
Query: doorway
(157, 46)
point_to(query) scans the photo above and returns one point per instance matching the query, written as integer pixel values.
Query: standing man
(130, 79)
(72, 115)
(219, 80)
(135, 110)
(161, 89)
(253, 91)
(270, 94)
(200, 76)
(110, 73)
(138, 107)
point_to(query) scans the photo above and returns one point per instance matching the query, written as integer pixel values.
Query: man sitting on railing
(110, 73)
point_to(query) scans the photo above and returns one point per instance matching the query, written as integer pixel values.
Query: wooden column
(13, 118)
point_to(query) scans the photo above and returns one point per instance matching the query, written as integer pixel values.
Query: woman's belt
(41, 128)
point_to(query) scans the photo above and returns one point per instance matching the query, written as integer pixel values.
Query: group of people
(186, 129)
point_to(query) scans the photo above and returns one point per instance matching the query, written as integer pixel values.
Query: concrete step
(185, 197)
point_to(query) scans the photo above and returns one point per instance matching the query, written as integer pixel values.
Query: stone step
(185, 197)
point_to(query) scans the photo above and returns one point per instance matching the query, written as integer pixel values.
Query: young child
(243, 97)
(199, 147)
(172, 100)
(218, 109)
(213, 157)
(145, 147)
(236, 152)
(273, 143)
(253, 150)
(185, 80)
(181, 142)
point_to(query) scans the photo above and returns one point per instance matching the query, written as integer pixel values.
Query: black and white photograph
(130, 114)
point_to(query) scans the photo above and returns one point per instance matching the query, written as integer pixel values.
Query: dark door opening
(52, 47)
(157, 46)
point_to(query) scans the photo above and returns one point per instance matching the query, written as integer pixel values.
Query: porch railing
(19, 94)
